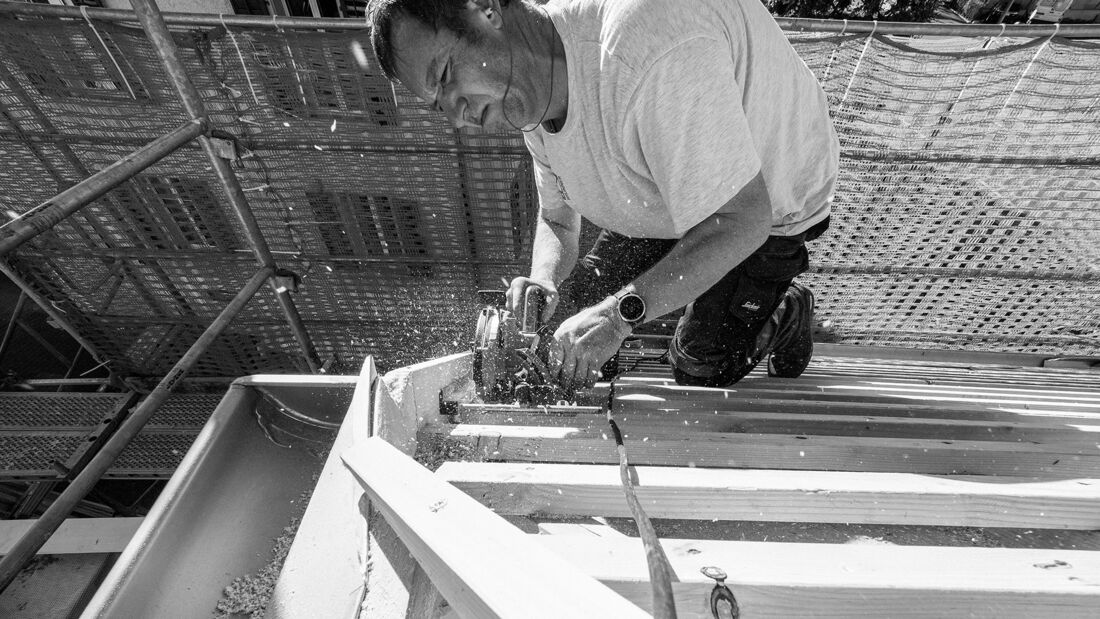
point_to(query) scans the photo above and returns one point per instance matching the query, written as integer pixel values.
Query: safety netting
(967, 214)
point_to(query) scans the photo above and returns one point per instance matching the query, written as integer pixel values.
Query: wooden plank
(75, 535)
(629, 401)
(1025, 384)
(917, 377)
(1044, 377)
(407, 397)
(780, 496)
(425, 602)
(389, 581)
(1089, 403)
(411, 398)
(928, 373)
(465, 409)
(1039, 380)
(643, 416)
(1025, 379)
(482, 565)
(324, 573)
(851, 353)
(849, 580)
(576, 528)
(769, 451)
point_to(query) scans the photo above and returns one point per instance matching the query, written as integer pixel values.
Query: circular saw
(512, 356)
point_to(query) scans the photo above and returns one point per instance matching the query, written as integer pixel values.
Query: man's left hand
(587, 340)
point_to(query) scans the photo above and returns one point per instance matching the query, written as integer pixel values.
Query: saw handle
(534, 302)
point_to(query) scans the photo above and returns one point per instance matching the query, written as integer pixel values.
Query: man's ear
(488, 10)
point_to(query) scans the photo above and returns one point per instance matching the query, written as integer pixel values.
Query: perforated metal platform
(964, 214)
(43, 434)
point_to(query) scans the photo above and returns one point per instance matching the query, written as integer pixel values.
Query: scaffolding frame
(48, 214)
(198, 126)
(793, 24)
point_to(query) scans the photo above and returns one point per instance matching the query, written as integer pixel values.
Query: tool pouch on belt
(765, 276)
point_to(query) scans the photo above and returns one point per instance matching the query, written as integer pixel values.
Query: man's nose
(456, 110)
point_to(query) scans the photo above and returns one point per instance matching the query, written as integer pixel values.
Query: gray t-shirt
(673, 107)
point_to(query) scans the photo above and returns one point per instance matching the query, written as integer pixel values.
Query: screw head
(716, 573)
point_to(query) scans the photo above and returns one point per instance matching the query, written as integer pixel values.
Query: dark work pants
(717, 334)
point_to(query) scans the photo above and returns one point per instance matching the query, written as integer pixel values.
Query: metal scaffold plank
(846, 580)
(787, 23)
(781, 496)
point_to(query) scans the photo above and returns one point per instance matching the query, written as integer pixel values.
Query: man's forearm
(706, 253)
(555, 248)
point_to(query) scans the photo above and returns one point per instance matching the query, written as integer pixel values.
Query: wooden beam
(873, 394)
(1032, 380)
(578, 528)
(781, 496)
(390, 583)
(850, 580)
(482, 565)
(75, 535)
(852, 353)
(943, 376)
(959, 386)
(324, 572)
(411, 398)
(392, 411)
(648, 416)
(775, 403)
(819, 371)
(770, 451)
(629, 402)
(425, 602)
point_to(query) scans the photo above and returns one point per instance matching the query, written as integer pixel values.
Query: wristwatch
(631, 308)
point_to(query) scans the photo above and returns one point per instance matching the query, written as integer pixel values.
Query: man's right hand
(517, 293)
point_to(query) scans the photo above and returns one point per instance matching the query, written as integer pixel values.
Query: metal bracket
(287, 280)
(226, 149)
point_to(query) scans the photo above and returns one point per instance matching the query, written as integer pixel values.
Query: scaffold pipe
(45, 526)
(150, 17)
(56, 315)
(51, 212)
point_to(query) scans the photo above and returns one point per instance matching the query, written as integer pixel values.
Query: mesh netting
(965, 216)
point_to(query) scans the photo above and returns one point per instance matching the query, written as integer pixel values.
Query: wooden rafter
(482, 565)
(849, 580)
(781, 496)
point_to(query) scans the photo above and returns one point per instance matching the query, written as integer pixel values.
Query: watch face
(631, 308)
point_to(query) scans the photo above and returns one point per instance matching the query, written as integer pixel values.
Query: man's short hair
(436, 14)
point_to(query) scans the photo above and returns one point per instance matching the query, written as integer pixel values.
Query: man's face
(467, 77)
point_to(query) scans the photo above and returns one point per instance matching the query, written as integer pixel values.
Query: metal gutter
(55, 515)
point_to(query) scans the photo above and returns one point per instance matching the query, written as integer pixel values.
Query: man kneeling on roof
(691, 132)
